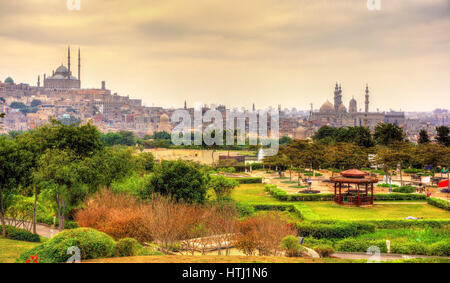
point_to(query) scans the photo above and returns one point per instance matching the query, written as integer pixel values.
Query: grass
(255, 194)
(216, 259)
(330, 210)
(10, 250)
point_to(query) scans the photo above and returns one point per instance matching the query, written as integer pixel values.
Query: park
(113, 199)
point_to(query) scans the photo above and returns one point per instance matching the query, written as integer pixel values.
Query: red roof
(355, 173)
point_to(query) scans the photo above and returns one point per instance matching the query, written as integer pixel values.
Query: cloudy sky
(237, 52)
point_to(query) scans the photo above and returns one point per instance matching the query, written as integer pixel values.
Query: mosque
(337, 115)
(62, 78)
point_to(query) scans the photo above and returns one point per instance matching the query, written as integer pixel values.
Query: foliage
(249, 180)
(128, 247)
(423, 137)
(443, 135)
(222, 186)
(291, 245)
(180, 180)
(386, 133)
(405, 190)
(332, 231)
(439, 203)
(121, 138)
(360, 136)
(324, 250)
(92, 244)
(18, 234)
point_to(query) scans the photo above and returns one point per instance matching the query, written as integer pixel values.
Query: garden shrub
(128, 247)
(244, 209)
(384, 185)
(292, 246)
(19, 234)
(439, 203)
(249, 180)
(92, 244)
(324, 250)
(360, 245)
(405, 190)
(393, 223)
(441, 248)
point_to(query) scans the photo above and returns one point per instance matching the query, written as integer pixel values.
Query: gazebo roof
(354, 173)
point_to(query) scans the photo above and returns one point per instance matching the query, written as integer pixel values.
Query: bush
(244, 209)
(92, 244)
(339, 230)
(439, 203)
(249, 180)
(128, 247)
(405, 190)
(360, 245)
(384, 185)
(324, 250)
(18, 234)
(291, 245)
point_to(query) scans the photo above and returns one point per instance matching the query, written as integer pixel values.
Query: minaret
(68, 59)
(39, 81)
(367, 98)
(185, 104)
(79, 66)
(254, 107)
(337, 97)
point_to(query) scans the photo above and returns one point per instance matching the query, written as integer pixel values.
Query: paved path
(45, 230)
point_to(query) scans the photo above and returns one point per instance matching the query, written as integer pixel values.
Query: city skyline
(267, 52)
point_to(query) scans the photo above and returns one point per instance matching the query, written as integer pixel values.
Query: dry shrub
(263, 233)
(116, 214)
(162, 220)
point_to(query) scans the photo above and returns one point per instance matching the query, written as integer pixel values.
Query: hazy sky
(237, 52)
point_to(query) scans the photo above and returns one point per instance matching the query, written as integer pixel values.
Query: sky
(238, 52)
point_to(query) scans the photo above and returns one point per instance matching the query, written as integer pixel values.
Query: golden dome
(327, 107)
(342, 108)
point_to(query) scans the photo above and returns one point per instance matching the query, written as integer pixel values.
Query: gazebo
(352, 188)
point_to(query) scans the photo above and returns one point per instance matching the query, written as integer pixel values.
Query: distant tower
(79, 66)
(185, 104)
(68, 59)
(367, 98)
(337, 97)
(279, 107)
(254, 107)
(39, 81)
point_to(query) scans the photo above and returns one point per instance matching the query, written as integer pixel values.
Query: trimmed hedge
(439, 203)
(393, 224)
(358, 245)
(405, 190)
(92, 244)
(19, 234)
(338, 230)
(249, 180)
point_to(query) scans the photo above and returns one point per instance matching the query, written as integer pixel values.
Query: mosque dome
(327, 107)
(61, 70)
(342, 108)
(164, 124)
(9, 80)
(57, 77)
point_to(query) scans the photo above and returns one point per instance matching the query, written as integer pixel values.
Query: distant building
(62, 78)
(337, 115)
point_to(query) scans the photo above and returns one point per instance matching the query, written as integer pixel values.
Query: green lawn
(255, 194)
(330, 210)
(10, 250)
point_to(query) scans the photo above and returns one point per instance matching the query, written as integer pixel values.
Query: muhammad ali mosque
(62, 77)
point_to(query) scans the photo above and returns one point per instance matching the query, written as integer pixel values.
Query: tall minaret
(68, 59)
(337, 97)
(79, 65)
(367, 98)
(39, 81)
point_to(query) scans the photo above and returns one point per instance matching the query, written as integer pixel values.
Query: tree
(222, 185)
(346, 156)
(402, 154)
(179, 180)
(57, 174)
(385, 134)
(145, 161)
(35, 103)
(162, 136)
(423, 137)
(443, 135)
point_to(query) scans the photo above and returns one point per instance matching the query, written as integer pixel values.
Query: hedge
(405, 190)
(393, 224)
(337, 230)
(92, 244)
(439, 203)
(360, 245)
(249, 180)
(128, 247)
(19, 234)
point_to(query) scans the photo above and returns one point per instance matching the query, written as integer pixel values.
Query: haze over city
(239, 52)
